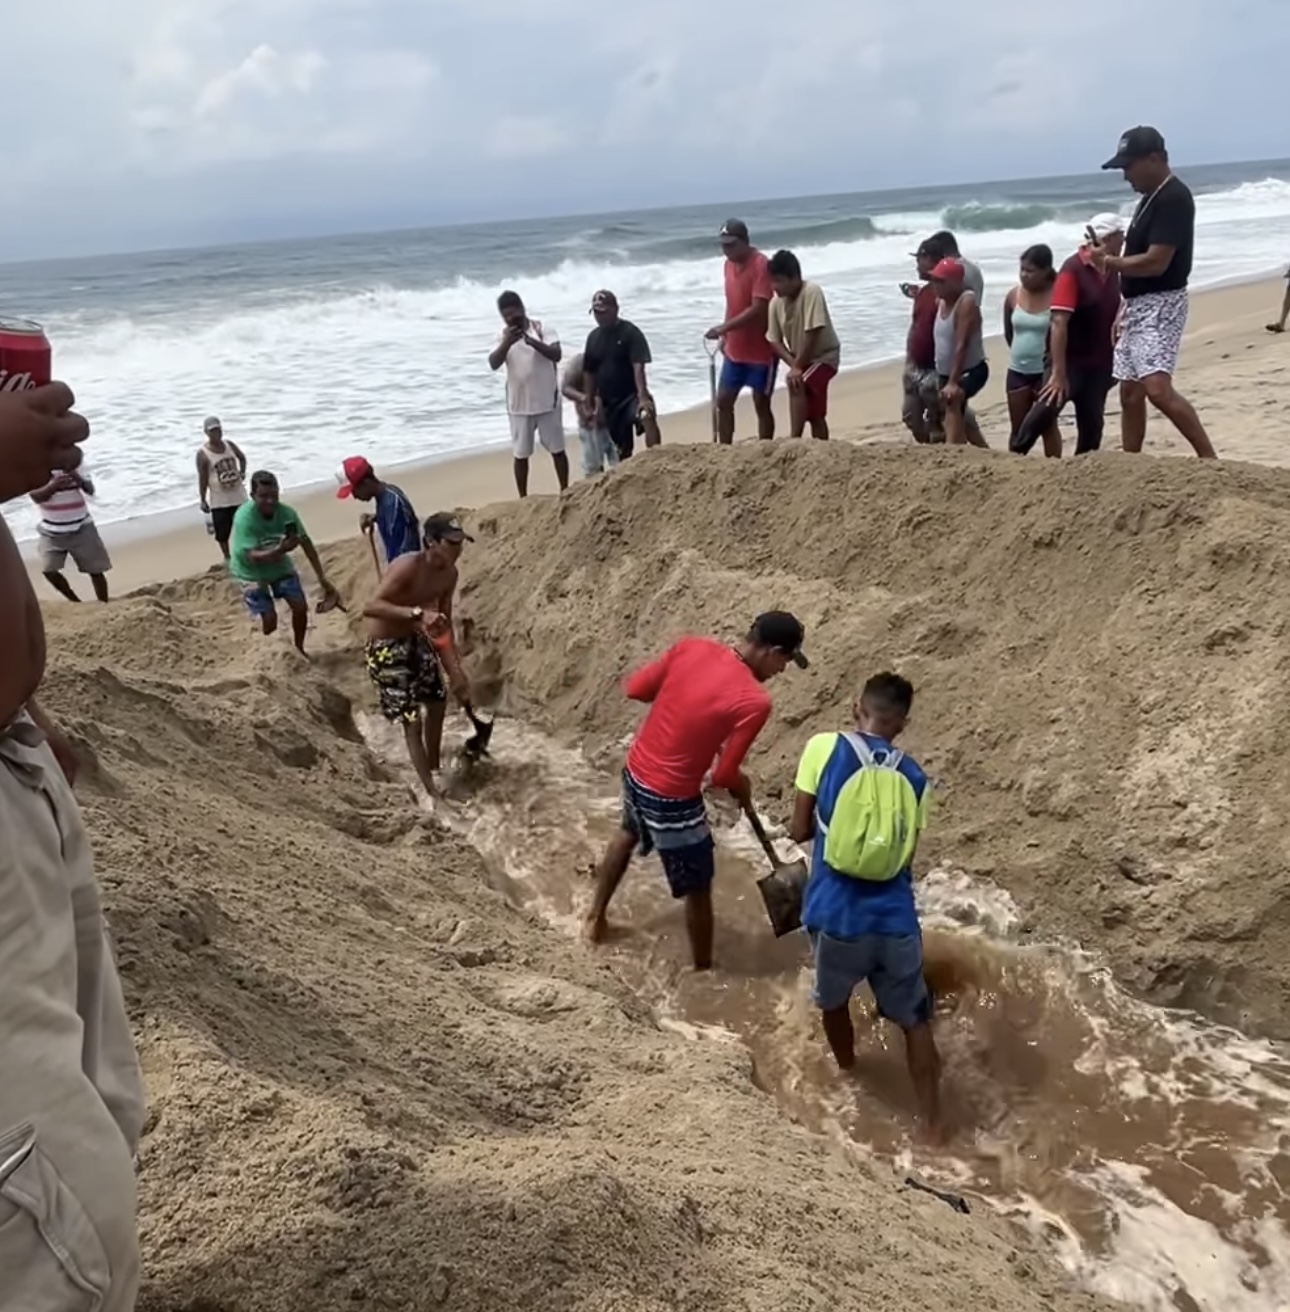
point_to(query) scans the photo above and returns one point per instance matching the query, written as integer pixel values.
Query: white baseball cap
(212, 424)
(1104, 225)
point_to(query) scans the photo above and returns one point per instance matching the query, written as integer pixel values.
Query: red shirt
(922, 328)
(746, 283)
(1092, 300)
(703, 700)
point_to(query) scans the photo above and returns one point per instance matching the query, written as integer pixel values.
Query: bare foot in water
(595, 929)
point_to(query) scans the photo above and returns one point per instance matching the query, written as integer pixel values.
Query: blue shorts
(758, 377)
(892, 967)
(677, 829)
(259, 597)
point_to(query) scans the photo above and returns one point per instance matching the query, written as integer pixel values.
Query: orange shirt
(745, 283)
(703, 701)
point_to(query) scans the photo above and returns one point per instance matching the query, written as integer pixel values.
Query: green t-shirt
(253, 532)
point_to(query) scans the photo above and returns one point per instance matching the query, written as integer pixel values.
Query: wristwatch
(417, 614)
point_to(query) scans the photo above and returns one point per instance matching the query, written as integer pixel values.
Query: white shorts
(547, 429)
(1151, 334)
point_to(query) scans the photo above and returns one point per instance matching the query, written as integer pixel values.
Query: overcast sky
(149, 123)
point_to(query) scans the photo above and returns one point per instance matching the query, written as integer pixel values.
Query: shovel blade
(477, 743)
(781, 894)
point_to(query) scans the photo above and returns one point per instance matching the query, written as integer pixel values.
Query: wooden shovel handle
(762, 837)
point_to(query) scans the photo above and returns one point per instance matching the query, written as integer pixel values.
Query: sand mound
(373, 1082)
(1099, 650)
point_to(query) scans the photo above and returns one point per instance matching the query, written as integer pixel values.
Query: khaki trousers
(71, 1097)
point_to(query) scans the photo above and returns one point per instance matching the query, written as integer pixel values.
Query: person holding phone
(265, 532)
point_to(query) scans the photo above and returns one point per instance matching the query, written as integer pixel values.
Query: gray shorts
(892, 967)
(1151, 334)
(84, 546)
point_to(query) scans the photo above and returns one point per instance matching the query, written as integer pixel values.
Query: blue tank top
(1029, 340)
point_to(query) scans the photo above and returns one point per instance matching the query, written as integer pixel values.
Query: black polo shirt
(1165, 218)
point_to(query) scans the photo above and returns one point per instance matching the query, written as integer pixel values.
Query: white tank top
(226, 487)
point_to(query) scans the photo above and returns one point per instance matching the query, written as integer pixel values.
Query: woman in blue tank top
(1026, 313)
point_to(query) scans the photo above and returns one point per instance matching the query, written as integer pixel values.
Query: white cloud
(668, 99)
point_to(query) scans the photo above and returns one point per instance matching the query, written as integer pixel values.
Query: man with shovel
(409, 643)
(392, 517)
(706, 702)
(862, 804)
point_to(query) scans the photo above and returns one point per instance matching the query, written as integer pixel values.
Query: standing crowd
(1114, 310)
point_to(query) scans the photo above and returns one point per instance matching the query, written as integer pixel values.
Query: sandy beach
(384, 1071)
(1231, 369)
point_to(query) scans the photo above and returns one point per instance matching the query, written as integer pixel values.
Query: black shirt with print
(1165, 218)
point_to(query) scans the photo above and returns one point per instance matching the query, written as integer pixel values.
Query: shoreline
(864, 408)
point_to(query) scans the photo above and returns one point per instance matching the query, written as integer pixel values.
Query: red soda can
(26, 359)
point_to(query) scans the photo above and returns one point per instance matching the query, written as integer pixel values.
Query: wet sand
(1143, 1144)
(1232, 369)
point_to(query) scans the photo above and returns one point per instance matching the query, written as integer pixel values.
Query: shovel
(376, 559)
(781, 890)
(477, 744)
(712, 349)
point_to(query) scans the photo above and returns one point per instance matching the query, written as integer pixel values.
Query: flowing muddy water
(1149, 1148)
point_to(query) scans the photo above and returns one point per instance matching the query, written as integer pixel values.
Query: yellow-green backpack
(873, 830)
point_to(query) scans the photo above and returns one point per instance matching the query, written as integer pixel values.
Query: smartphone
(1090, 236)
(910, 289)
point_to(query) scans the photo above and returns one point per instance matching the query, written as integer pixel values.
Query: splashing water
(1149, 1149)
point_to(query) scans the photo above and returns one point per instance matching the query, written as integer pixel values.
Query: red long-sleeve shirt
(703, 701)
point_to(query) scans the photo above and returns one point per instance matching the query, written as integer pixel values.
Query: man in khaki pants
(71, 1099)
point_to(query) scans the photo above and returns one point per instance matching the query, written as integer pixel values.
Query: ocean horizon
(314, 349)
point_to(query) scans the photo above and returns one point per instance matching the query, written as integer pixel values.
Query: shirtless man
(71, 1100)
(410, 644)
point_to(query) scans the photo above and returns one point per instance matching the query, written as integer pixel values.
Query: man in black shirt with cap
(614, 382)
(1154, 270)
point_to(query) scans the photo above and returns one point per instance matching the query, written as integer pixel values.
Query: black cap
(1137, 143)
(733, 230)
(781, 631)
(444, 527)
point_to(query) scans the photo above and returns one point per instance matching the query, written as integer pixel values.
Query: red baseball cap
(947, 270)
(354, 470)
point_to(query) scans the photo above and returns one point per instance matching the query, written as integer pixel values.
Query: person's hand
(715, 334)
(794, 379)
(645, 406)
(951, 393)
(289, 543)
(436, 626)
(366, 523)
(1116, 329)
(1055, 391)
(68, 483)
(205, 507)
(39, 432)
(459, 685)
(1099, 257)
(598, 413)
(514, 332)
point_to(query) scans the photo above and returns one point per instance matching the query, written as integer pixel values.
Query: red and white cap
(354, 470)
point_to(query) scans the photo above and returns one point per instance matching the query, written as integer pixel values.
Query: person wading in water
(706, 703)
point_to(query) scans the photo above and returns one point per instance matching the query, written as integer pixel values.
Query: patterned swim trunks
(406, 674)
(1151, 333)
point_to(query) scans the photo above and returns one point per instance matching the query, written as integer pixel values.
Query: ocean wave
(984, 216)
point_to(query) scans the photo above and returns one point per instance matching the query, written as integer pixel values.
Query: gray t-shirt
(973, 279)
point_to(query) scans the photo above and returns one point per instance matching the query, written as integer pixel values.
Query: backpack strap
(891, 758)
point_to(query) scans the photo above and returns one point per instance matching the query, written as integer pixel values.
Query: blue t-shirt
(396, 522)
(840, 905)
